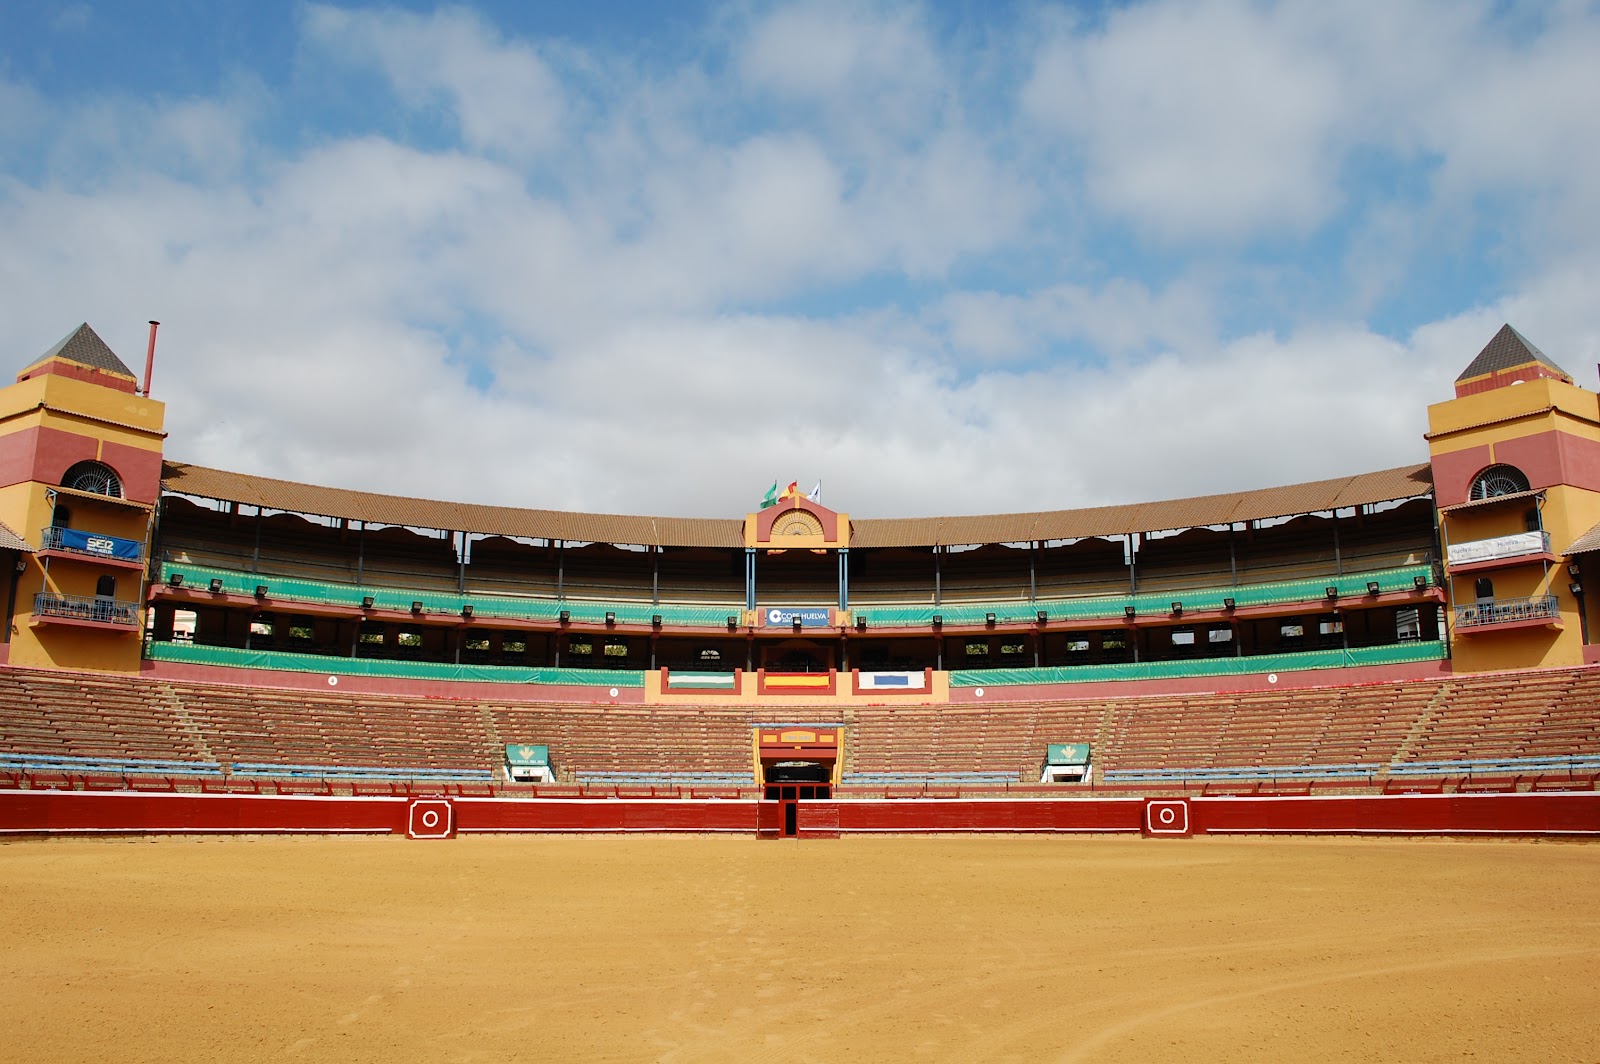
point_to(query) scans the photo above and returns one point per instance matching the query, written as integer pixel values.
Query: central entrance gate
(794, 763)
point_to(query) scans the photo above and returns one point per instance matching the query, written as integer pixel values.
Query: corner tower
(80, 474)
(1516, 472)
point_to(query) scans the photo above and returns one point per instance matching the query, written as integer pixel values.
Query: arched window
(105, 587)
(1498, 480)
(95, 477)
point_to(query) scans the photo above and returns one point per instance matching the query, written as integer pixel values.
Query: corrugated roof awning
(1492, 501)
(1387, 485)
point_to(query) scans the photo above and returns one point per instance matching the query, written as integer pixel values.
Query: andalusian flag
(771, 497)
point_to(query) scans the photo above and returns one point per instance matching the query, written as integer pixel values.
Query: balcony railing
(93, 544)
(86, 608)
(1508, 611)
(1497, 548)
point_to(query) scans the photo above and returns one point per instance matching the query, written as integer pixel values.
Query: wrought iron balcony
(86, 608)
(1498, 548)
(1488, 612)
(91, 544)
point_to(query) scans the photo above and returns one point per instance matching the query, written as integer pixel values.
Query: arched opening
(97, 478)
(1498, 480)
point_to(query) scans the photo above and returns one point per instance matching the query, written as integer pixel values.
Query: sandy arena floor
(729, 949)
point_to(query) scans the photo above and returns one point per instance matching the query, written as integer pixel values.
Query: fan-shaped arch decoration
(1498, 480)
(95, 477)
(796, 523)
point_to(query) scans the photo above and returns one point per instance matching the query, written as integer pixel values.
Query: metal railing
(1504, 611)
(92, 544)
(86, 608)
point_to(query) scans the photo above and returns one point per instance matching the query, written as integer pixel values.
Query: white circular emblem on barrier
(977, 692)
(613, 692)
(429, 818)
(1272, 677)
(333, 681)
(1166, 815)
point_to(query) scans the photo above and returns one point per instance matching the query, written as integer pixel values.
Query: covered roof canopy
(1387, 485)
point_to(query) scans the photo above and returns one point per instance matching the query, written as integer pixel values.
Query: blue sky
(945, 258)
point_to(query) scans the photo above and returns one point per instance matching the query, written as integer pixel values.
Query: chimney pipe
(150, 358)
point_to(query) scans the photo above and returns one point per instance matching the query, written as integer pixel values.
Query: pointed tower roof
(1508, 350)
(84, 346)
(82, 354)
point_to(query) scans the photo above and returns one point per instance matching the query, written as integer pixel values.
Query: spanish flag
(792, 491)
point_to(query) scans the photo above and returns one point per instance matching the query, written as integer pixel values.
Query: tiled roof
(1386, 485)
(1587, 543)
(9, 540)
(1506, 350)
(84, 346)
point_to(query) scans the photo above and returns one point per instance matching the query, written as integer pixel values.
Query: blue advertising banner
(810, 617)
(93, 543)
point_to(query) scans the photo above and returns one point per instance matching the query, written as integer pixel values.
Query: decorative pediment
(797, 524)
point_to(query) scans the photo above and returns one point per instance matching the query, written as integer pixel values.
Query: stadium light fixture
(1576, 588)
(216, 586)
(261, 591)
(366, 602)
(416, 607)
(1331, 591)
(1129, 612)
(1177, 608)
(566, 616)
(938, 620)
(1372, 587)
(611, 618)
(1044, 618)
(1228, 604)
(175, 580)
(988, 618)
(1420, 583)
(466, 611)
(733, 622)
(655, 620)
(861, 623)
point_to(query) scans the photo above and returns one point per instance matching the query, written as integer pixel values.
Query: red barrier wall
(139, 813)
(582, 815)
(935, 815)
(1554, 813)
(129, 812)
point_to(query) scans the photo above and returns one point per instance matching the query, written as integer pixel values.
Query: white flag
(816, 493)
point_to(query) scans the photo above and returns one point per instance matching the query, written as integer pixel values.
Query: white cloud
(873, 284)
(872, 64)
(503, 94)
(1197, 120)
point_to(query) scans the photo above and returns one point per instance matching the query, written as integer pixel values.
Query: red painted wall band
(89, 812)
